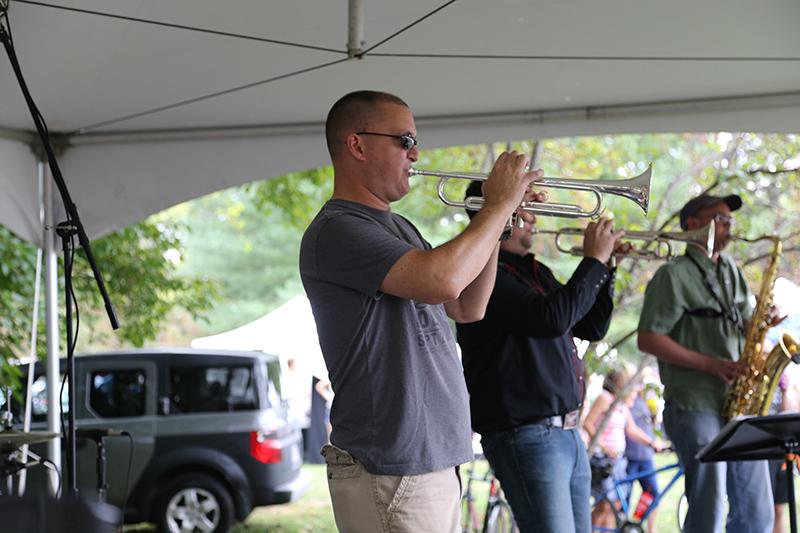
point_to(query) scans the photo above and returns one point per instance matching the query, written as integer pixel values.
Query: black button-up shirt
(520, 361)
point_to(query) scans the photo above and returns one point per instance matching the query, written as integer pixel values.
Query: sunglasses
(719, 218)
(406, 141)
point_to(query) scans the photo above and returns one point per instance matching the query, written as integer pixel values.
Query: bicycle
(630, 524)
(498, 517)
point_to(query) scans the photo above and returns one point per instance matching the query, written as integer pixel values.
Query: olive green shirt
(678, 303)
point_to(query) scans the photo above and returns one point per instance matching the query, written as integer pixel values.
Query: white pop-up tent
(288, 332)
(150, 103)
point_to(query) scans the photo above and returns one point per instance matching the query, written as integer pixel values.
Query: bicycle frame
(618, 487)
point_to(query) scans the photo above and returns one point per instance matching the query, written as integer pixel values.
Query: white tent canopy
(288, 332)
(152, 103)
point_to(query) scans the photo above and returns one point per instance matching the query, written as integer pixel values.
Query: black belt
(567, 421)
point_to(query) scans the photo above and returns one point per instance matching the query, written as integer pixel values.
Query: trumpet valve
(544, 195)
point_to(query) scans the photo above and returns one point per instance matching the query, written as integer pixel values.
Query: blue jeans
(746, 483)
(544, 472)
(648, 483)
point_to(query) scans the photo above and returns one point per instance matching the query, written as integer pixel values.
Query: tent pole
(51, 321)
(37, 285)
(355, 29)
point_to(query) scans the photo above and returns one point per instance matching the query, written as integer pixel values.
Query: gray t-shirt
(400, 404)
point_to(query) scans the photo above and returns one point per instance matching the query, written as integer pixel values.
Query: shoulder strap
(725, 311)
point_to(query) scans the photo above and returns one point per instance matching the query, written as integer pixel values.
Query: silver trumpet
(704, 238)
(636, 189)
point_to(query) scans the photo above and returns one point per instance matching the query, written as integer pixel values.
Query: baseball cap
(704, 200)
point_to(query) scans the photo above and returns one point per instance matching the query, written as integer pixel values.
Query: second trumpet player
(525, 378)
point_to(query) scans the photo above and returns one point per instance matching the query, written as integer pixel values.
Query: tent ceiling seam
(588, 113)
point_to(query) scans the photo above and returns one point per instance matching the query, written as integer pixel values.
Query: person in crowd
(608, 460)
(640, 456)
(318, 433)
(297, 393)
(694, 321)
(381, 297)
(296, 386)
(525, 376)
(323, 391)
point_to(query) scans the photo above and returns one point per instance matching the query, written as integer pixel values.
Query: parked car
(210, 438)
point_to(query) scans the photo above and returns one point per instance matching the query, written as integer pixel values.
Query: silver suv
(210, 439)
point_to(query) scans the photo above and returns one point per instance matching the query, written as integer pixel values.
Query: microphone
(97, 434)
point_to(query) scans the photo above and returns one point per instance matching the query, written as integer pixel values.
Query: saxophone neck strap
(730, 312)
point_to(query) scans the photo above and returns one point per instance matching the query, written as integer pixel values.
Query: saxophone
(751, 393)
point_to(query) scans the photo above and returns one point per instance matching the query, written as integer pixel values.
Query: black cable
(182, 27)
(205, 97)
(369, 52)
(74, 297)
(591, 58)
(390, 37)
(41, 125)
(50, 464)
(402, 30)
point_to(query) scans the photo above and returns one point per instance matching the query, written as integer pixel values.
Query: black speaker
(40, 513)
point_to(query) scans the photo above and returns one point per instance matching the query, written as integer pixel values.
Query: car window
(212, 389)
(274, 383)
(39, 400)
(118, 393)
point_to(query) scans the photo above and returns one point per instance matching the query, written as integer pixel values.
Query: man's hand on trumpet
(603, 243)
(508, 183)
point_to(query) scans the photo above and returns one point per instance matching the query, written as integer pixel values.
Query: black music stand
(759, 437)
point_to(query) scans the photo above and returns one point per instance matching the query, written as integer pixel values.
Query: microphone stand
(66, 230)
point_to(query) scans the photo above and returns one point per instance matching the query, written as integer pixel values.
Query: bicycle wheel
(683, 508)
(500, 519)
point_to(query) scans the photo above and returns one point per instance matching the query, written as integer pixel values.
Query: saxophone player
(694, 320)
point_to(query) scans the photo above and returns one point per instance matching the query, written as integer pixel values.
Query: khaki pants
(369, 503)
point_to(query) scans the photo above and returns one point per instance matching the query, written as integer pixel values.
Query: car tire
(194, 503)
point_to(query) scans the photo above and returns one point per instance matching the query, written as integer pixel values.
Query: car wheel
(194, 503)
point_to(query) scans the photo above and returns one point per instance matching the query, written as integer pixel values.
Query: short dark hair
(354, 112)
(474, 189)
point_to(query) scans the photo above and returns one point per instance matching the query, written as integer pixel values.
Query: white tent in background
(288, 332)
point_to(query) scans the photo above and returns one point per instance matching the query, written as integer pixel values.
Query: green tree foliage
(241, 245)
(16, 296)
(142, 283)
(138, 264)
(252, 253)
(763, 169)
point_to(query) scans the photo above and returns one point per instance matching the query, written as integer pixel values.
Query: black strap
(706, 312)
(731, 313)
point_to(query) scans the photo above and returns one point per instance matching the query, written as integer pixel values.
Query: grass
(313, 512)
(310, 514)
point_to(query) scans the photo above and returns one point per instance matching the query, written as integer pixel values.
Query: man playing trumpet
(381, 296)
(526, 380)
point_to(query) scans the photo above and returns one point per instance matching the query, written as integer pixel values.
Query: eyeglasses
(407, 141)
(719, 218)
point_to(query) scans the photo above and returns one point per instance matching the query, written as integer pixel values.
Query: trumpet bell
(636, 189)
